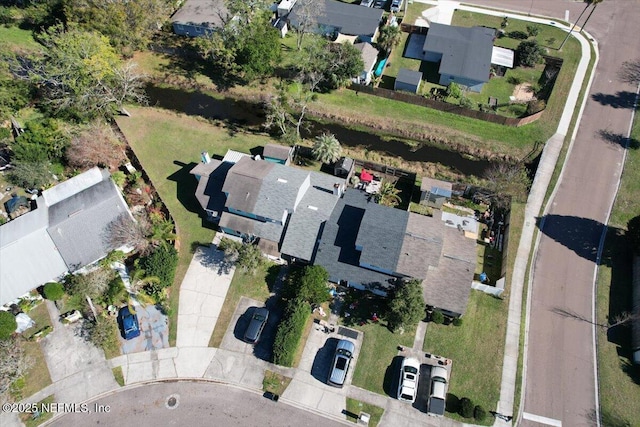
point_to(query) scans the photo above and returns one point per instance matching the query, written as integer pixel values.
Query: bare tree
(125, 231)
(506, 181)
(620, 319)
(307, 13)
(14, 363)
(96, 145)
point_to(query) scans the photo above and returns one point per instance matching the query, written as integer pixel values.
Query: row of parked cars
(408, 385)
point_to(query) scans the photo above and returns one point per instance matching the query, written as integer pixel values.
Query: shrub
(466, 407)
(518, 35)
(454, 90)
(309, 284)
(8, 325)
(533, 30)
(407, 306)
(115, 292)
(479, 414)
(53, 291)
(290, 332)
(457, 321)
(529, 53)
(466, 102)
(452, 403)
(162, 264)
(103, 332)
(437, 317)
(535, 106)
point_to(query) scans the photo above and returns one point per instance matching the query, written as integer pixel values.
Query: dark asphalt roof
(350, 19)
(422, 246)
(209, 191)
(243, 183)
(276, 151)
(202, 13)
(466, 52)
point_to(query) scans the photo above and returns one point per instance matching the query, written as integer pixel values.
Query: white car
(409, 375)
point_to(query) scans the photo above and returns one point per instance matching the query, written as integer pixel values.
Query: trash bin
(271, 396)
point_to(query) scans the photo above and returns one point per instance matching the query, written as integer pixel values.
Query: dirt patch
(523, 93)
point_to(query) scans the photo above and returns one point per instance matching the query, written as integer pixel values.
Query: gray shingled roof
(381, 235)
(78, 224)
(313, 210)
(350, 19)
(202, 13)
(422, 245)
(336, 251)
(209, 190)
(448, 286)
(281, 188)
(410, 77)
(238, 223)
(243, 183)
(276, 151)
(369, 55)
(428, 183)
(466, 52)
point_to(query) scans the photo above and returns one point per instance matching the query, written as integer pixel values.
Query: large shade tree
(327, 148)
(81, 74)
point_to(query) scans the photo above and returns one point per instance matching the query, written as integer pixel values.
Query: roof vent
(284, 181)
(313, 208)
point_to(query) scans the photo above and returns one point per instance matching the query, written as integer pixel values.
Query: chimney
(204, 156)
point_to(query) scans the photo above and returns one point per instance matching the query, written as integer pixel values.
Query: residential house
(66, 232)
(277, 153)
(408, 80)
(434, 192)
(307, 217)
(345, 19)
(464, 54)
(198, 18)
(369, 58)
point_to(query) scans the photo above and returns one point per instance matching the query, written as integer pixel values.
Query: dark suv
(256, 325)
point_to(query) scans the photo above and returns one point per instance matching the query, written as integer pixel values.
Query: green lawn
(414, 10)
(274, 382)
(356, 407)
(255, 286)
(15, 38)
(476, 348)
(379, 347)
(168, 145)
(619, 379)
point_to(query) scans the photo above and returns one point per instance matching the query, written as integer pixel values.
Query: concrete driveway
(154, 331)
(202, 294)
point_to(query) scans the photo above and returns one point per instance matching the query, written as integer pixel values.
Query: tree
(81, 74)
(138, 279)
(92, 284)
(8, 325)
(589, 3)
(454, 90)
(407, 306)
(14, 362)
(286, 110)
(307, 13)
(53, 291)
(246, 255)
(95, 145)
(533, 30)
(389, 37)
(507, 181)
(326, 148)
(44, 139)
(629, 72)
(30, 174)
(388, 194)
(308, 284)
(338, 63)
(529, 53)
(124, 231)
(246, 10)
(260, 49)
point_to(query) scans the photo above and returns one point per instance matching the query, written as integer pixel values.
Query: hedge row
(290, 331)
(162, 264)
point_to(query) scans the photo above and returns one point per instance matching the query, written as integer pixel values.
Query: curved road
(194, 404)
(560, 371)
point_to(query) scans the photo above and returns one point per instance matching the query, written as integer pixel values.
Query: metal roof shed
(408, 80)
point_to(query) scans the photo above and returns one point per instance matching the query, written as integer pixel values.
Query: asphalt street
(560, 373)
(191, 404)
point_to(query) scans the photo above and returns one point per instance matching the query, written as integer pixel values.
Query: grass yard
(117, 374)
(619, 378)
(243, 284)
(476, 348)
(379, 347)
(168, 145)
(30, 421)
(414, 10)
(274, 382)
(14, 38)
(356, 407)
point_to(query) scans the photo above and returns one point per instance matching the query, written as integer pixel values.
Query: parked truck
(438, 391)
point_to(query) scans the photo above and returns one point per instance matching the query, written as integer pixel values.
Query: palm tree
(388, 194)
(326, 148)
(589, 3)
(138, 280)
(389, 37)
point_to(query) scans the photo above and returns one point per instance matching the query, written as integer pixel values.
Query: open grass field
(168, 145)
(619, 378)
(14, 38)
(476, 348)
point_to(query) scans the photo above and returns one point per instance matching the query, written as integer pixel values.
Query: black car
(256, 325)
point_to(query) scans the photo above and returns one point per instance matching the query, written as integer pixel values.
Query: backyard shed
(277, 153)
(434, 192)
(408, 80)
(343, 167)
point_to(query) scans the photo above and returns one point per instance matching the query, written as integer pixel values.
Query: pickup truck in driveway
(437, 397)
